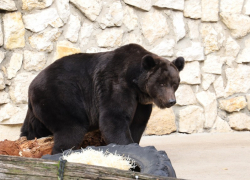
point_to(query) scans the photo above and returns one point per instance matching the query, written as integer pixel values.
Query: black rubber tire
(147, 158)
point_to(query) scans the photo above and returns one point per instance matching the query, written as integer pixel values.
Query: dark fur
(111, 91)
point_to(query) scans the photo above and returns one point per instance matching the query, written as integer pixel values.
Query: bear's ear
(179, 63)
(148, 62)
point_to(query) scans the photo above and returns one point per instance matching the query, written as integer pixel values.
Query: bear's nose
(172, 102)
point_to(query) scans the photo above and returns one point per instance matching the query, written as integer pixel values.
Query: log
(38, 147)
(13, 167)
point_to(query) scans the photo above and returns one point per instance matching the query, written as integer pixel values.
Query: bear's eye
(162, 85)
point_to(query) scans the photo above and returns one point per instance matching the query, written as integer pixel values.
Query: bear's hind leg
(68, 138)
(33, 128)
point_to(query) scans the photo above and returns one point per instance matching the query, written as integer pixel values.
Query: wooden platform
(20, 168)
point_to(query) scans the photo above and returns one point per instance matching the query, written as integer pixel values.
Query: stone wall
(212, 35)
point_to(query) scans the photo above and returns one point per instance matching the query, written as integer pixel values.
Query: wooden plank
(13, 167)
(23, 177)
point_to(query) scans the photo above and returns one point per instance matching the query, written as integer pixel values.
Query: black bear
(110, 91)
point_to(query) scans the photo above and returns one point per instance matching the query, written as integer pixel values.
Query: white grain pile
(100, 158)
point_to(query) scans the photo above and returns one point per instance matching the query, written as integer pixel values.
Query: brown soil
(38, 147)
(93, 138)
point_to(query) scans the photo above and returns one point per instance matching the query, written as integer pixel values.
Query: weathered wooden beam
(13, 167)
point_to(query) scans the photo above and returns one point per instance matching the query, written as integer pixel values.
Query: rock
(239, 24)
(247, 42)
(8, 5)
(243, 57)
(152, 29)
(219, 87)
(2, 56)
(191, 119)
(8, 82)
(72, 30)
(207, 80)
(14, 65)
(114, 16)
(213, 64)
(232, 47)
(221, 126)
(13, 30)
(232, 6)
(63, 10)
(246, 8)
(165, 48)
(210, 38)
(238, 80)
(4, 97)
(239, 121)
(185, 95)
(176, 4)
(195, 52)
(248, 101)
(192, 9)
(233, 104)
(36, 4)
(133, 37)
(1, 37)
(194, 29)
(6, 112)
(2, 84)
(4, 70)
(45, 39)
(161, 122)
(34, 61)
(130, 18)
(221, 34)
(10, 132)
(91, 9)
(85, 32)
(96, 50)
(110, 38)
(179, 25)
(191, 73)
(65, 48)
(141, 4)
(39, 20)
(19, 88)
(229, 60)
(11, 114)
(210, 10)
(209, 103)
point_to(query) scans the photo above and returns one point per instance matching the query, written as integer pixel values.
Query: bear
(111, 91)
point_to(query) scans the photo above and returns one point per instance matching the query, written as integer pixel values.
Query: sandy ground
(224, 156)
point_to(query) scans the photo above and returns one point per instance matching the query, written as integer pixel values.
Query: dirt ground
(206, 156)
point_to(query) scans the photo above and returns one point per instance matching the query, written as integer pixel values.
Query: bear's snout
(167, 103)
(172, 102)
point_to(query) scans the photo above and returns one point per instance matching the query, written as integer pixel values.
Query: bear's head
(162, 79)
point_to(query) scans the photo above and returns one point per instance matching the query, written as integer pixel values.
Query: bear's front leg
(140, 121)
(114, 124)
